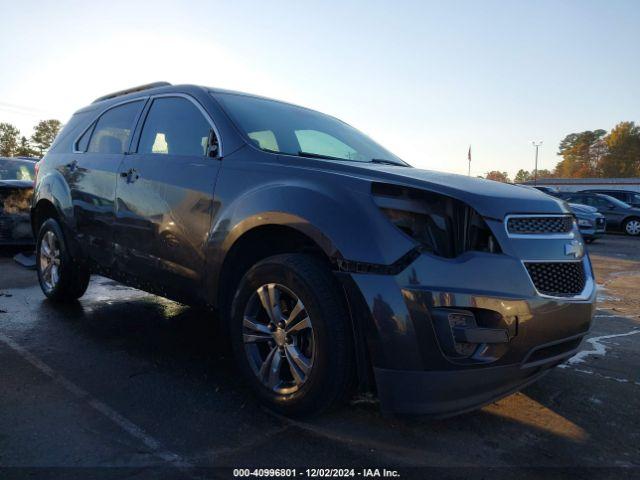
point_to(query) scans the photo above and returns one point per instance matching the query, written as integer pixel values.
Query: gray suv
(335, 266)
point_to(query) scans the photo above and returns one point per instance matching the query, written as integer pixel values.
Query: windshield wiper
(317, 155)
(382, 161)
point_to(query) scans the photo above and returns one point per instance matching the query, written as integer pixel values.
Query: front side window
(278, 127)
(174, 126)
(112, 132)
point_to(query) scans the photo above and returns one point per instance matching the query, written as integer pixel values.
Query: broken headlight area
(15, 201)
(442, 225)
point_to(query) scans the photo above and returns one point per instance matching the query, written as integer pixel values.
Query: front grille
(558, 279)
(539, 225)
(6, 226)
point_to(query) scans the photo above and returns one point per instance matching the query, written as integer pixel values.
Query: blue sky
(425, 79)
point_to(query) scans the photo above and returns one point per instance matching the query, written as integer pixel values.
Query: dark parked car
(16, 189)
(619, 215)
(333, 264)
(591, 223)
(626, 196)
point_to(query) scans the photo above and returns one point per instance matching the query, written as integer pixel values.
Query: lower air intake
(557, 279)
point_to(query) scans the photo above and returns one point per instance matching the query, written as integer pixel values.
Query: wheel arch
(273, 238)
(53, 196)
(259, 237)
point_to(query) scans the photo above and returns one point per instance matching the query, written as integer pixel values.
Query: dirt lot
(126, 384)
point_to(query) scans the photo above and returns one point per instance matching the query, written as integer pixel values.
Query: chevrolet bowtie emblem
(574, 248)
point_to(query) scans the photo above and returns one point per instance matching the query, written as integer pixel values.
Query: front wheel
(632, 227)
(61, 278)
(290, 334)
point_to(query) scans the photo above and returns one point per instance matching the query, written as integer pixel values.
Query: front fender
(344, 222)
(338, 214)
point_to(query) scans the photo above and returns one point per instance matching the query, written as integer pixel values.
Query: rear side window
(174, 126)
(113, 129)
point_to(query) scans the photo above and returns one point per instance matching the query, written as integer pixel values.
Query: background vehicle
(16, 189)
(626, 196)
(543, 189)
(619, 215)
(332, 262)
(591, 223)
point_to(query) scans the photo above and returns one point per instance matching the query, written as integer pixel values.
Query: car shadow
(182, 350)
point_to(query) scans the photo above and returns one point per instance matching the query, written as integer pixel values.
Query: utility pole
(469, 157)
(535, 171)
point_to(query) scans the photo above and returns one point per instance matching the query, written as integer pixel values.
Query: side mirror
(213, 150)
(213, 144)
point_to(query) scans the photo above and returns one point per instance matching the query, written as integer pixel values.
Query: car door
(164, 196)
(612, 212)
(633, 199)
(91, 175)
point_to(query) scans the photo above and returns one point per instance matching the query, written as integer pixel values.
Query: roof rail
(132, 90)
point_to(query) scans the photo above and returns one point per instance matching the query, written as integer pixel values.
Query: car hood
(4, 184)
(579, 208)
(488, 198)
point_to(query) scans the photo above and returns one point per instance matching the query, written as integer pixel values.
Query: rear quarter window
(113, 129)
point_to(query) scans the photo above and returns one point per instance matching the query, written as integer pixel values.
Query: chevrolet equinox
(334, 266)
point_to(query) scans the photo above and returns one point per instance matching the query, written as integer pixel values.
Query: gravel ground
(127, 384)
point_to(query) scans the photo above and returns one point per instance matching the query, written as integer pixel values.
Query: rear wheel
(61, 278)
(632, 226)
(291, 335)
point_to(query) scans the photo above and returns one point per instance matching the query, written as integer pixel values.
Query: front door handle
(131, 175)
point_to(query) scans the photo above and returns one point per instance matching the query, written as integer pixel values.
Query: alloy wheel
(279, 339)
(633, 227)
(50, 260)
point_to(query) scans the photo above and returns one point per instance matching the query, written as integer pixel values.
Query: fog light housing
(462, 335)
(458, 321)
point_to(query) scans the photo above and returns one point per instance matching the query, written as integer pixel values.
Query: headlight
(584, 223)
(441, 224)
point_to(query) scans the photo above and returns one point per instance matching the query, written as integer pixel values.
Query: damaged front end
(15, 221)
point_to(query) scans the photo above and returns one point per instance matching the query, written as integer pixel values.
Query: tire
(310, 352)
(631, 226)
(62, 279)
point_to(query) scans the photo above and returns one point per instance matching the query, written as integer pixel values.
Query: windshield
(17, 170)
(282, 128)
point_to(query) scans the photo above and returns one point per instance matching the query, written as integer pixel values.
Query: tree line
(13, 144)
(591, 154)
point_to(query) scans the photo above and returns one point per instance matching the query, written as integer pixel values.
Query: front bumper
(593, 232)
(15, 229)
(413, 371)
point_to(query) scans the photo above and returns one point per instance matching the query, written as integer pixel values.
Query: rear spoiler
(132, 90)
